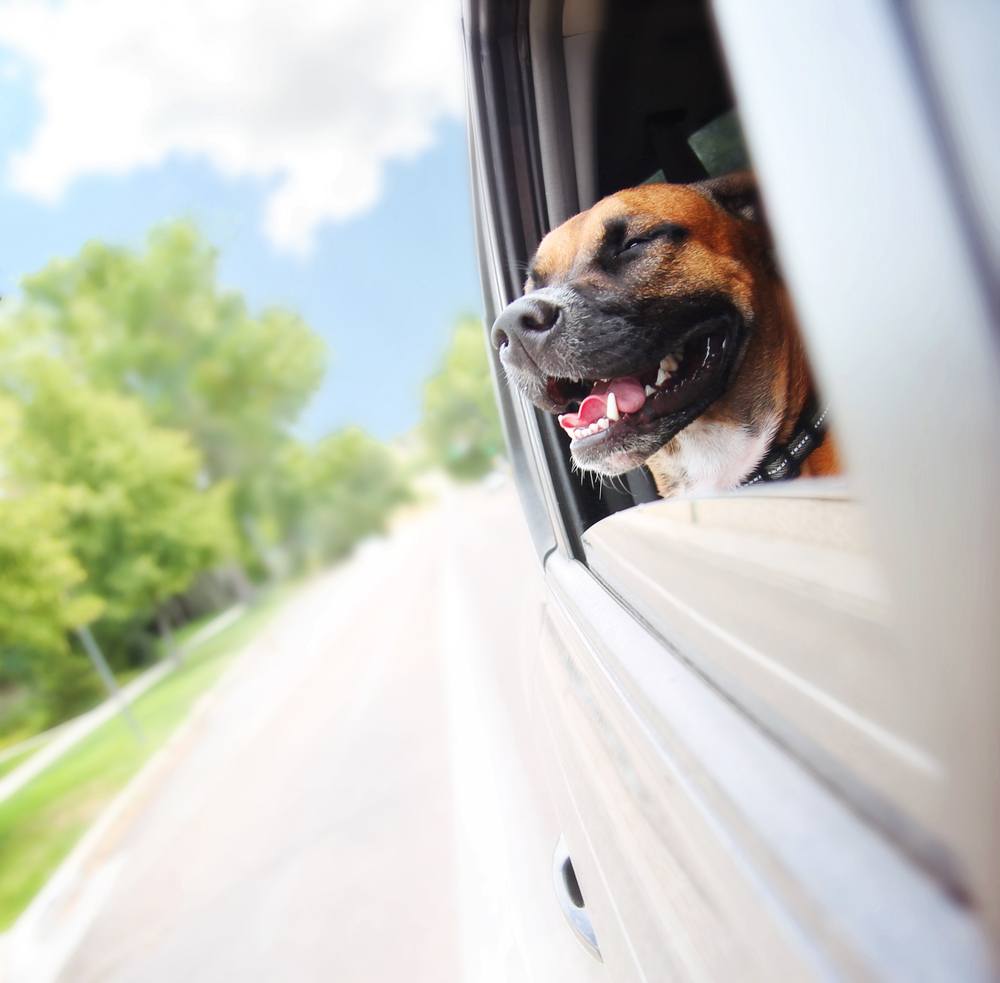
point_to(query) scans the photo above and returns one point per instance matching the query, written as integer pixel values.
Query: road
(302, 827)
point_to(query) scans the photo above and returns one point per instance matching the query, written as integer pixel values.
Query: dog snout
(528, 319)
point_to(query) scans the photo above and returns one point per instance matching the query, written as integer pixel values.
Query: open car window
(819, 609)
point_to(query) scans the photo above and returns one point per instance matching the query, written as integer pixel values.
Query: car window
(774, 592)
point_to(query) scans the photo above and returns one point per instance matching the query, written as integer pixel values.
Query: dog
(657, 326)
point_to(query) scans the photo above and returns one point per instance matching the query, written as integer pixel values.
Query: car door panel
(707, 850)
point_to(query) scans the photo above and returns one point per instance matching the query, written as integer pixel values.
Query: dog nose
(526, 317)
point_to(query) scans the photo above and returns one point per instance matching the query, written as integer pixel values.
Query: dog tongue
(629, 397)
(592, 409)
(629, 394)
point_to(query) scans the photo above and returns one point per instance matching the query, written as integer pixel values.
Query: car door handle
(570, 899)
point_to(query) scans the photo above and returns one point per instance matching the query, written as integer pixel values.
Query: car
(754, 736)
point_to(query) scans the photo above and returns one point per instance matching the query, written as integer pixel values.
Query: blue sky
(381, 273)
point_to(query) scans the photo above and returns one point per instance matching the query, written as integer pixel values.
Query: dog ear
(735, 193)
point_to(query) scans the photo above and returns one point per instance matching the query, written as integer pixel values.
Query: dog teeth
(668, 365)
(596, 427)
(650, 390)
(612, 410)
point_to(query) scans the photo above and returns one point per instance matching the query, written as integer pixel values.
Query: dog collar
(785, 461)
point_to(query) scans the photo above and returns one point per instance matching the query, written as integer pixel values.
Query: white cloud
(316, 95)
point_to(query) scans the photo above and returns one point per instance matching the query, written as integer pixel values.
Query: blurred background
(238, 338)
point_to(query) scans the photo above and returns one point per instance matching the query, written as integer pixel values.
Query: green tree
(134, 515)
(356, 484)
(41, 599)
(328, 496)
(460, 423)
(154, 324)
(145, 430)
(40, 602)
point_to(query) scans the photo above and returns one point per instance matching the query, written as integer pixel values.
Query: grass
(9, 764)
(31, 724)
(41, 823)
(21, 716)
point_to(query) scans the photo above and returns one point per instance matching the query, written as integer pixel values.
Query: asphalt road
(302, 829)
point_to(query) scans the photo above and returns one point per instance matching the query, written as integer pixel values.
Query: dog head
(653, 308)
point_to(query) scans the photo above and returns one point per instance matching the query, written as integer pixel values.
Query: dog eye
(631, 247)
(672, 232)
(632, 244)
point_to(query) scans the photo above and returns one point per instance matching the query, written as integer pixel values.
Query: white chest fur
(712, 457)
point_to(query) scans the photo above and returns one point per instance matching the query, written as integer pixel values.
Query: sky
(320, 147)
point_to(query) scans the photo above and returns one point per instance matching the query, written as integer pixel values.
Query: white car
(756, 736)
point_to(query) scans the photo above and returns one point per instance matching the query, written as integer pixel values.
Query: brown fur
(724, 252)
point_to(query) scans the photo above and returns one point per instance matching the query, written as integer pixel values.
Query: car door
(764, 724)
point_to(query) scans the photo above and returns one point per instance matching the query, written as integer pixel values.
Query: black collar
(785, 460)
